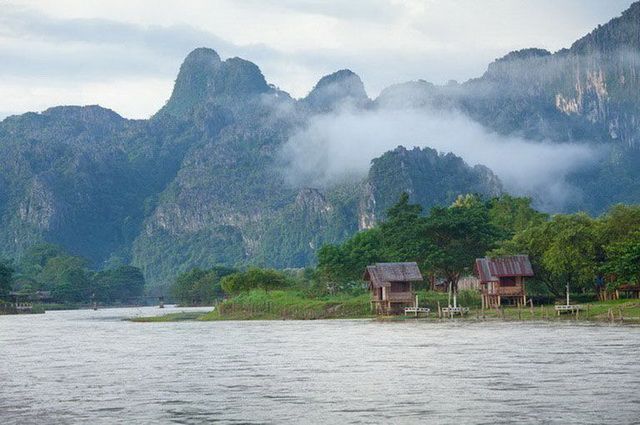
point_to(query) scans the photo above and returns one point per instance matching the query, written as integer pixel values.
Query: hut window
(508, 281)
(400, 287)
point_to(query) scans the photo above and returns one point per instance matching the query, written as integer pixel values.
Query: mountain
(202, 182)
(430, 178)
(342, 88)
(197, 184)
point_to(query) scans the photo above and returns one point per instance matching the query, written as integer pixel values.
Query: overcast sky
(124, 54)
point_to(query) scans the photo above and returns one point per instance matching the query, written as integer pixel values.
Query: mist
(340, 145)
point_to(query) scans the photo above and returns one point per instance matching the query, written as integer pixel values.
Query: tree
(513, 214)
(198, 287)
(562, 251)
(458, 235)
(615, 225)
(6, 275)
(623, 260)
(339, 264)
(55, 267)
(402, 232)
(254, 278)
(121, 284)
(67, 279)
(618, 222)
(571, 253)
(35, 258)
(72, 285)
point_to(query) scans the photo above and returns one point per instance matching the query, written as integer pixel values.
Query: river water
(92, 367)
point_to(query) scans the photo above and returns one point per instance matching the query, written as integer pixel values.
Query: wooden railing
(508, 291)
(401, 296)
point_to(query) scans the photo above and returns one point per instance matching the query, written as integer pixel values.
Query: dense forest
(47, 273)
(587, 253)
(209, 179)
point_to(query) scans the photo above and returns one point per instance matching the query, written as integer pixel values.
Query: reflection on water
(92, 367)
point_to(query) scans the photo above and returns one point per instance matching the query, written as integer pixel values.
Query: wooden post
(531, 307)
(439, 311)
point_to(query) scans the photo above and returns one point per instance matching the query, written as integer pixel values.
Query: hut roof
(492, 269)
(382, 274)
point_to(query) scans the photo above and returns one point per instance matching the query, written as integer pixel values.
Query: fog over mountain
(233, 170)
(340, 145)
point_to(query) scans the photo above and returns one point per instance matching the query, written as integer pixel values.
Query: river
(87, 366)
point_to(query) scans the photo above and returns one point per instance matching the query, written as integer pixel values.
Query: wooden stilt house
(629, 290)
(391, 286)
(502, 279)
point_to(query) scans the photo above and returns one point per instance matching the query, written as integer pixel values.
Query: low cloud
(341, 145)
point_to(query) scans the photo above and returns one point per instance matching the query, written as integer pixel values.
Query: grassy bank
(615, 311)
(295, 305)
(171, 317)
(291, 305)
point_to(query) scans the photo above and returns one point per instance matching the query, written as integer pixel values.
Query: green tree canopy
(513, 214)
(35, 258)
(254, 278)
(623, 260)
(72, 285)
(123, 284)
(200, 287)
(403, 232)
(54, 269)
(562, 251)
(338, 265)
(458, 235)
(6, 275)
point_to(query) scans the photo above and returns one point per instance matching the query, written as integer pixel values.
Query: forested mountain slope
(202, 181)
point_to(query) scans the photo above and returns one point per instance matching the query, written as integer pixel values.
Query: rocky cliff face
(340, 89)
(585, 93)
(430, 178)
(199, 184)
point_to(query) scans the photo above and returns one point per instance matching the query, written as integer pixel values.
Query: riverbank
(289, 305)
(292, 305)
(171, 317)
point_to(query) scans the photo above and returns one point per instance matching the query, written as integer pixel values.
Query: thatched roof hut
(502, 279)
(391, 285)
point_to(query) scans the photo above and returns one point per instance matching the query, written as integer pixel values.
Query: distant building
(391, 286)
(502, 279)
(469, 283)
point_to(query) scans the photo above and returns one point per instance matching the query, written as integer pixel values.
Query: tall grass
(466, 298)
(291, 304)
